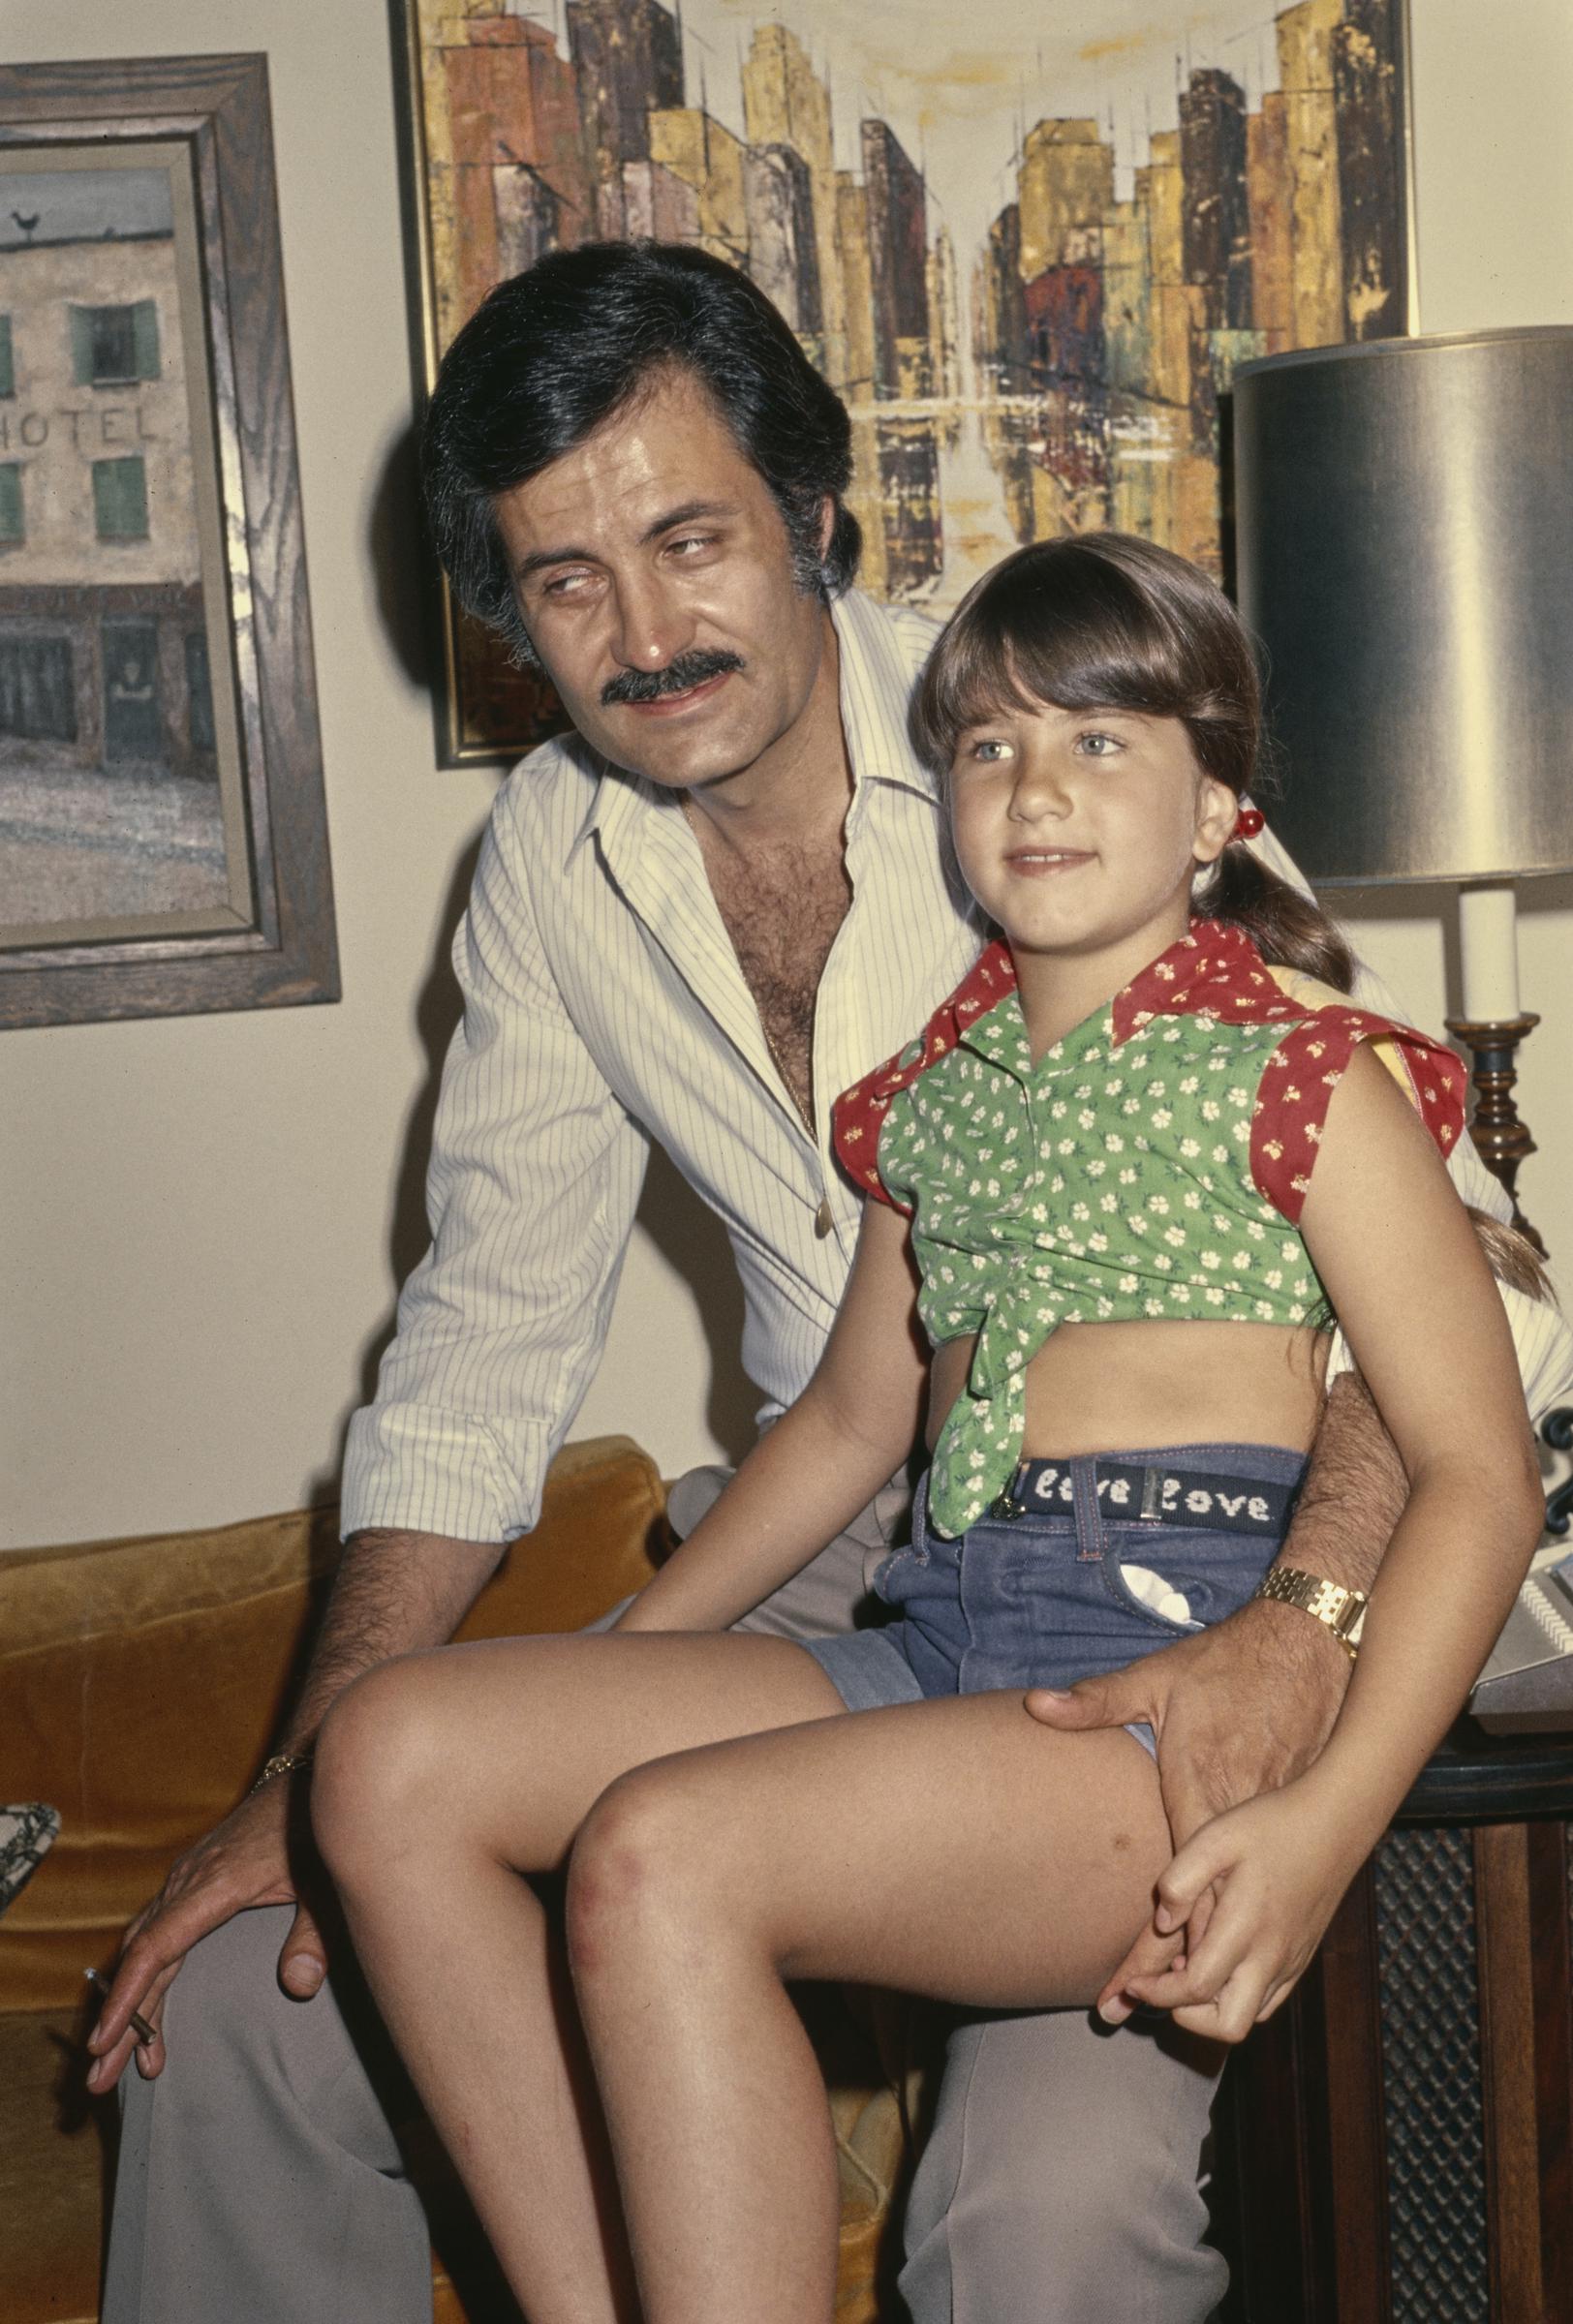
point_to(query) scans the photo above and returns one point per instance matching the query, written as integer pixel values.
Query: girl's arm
(1395, 1251)
(847, 1433)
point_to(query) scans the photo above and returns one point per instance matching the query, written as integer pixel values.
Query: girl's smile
(1036, 863)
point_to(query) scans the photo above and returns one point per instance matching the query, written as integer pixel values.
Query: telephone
(1527, 1686)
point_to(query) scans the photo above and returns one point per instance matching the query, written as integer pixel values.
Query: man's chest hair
(782, 911)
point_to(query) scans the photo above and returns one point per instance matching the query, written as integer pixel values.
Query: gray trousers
(261, 2176)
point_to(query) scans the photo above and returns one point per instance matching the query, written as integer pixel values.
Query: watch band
(1342, 1610)
(283, 1763)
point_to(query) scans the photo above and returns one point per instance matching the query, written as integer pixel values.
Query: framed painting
(1028, 249)
(162, 830)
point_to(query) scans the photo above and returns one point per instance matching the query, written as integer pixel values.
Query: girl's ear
(1217, 807)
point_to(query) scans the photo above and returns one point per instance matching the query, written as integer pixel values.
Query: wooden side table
(1396, 2146)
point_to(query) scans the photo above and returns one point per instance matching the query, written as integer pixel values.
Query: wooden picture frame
(163, 825)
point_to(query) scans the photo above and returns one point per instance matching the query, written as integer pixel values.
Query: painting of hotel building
(110, 812)
(1027, 254)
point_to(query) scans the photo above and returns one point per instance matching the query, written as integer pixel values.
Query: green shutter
(82, 345)
(8, 367)
(144, 326)
(12, 526)
(120, 500)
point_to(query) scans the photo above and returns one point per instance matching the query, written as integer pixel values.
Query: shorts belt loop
(1152, 1492)
(1089, 1515)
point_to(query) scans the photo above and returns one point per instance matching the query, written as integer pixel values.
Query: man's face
(655, 577)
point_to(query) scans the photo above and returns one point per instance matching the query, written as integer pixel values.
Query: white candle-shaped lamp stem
(1488, 952)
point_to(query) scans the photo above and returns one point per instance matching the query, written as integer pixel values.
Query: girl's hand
(1253, 1892)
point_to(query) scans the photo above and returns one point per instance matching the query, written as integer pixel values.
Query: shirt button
(822, 1220)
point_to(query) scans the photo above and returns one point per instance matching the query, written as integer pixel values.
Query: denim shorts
(1077, 1584)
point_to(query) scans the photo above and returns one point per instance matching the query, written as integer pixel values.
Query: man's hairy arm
(394, 1593)
(1245, 1706)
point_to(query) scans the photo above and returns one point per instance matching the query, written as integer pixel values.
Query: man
(718, 903)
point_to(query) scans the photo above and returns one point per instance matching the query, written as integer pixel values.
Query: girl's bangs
(1071, 630)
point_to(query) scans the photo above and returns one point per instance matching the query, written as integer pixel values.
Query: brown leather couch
(141, 1682)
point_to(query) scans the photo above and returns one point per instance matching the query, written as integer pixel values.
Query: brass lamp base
(1501, 1140)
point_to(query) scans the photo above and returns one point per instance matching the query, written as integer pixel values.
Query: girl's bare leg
(439, 1780)
(951, 1848)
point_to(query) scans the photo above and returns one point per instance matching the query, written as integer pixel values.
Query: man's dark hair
(552, 353)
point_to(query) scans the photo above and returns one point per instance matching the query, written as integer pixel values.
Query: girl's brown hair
(1102, 621)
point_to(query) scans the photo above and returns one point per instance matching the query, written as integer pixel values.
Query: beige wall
(201, 1218)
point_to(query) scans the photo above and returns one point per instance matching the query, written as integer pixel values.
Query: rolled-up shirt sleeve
(535, 1176)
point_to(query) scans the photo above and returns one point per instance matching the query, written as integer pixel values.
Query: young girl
(1137, 1125)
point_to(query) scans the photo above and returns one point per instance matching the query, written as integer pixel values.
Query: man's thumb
(303, 1960)
(1091, 1702)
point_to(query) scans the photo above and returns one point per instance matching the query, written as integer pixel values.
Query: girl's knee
(642, 1871)
(382, 1765)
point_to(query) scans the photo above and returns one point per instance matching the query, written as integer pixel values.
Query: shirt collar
(987, 1014)
(1214, 970)
(618, 800)
(873, 676)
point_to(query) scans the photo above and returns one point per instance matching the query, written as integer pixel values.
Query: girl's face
(1080, 831)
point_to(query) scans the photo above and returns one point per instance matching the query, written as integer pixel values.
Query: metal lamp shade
(1405, 556)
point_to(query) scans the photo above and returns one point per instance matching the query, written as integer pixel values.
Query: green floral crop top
(1154, 1163)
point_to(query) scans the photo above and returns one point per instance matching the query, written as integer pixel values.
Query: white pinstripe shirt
(603, 1007)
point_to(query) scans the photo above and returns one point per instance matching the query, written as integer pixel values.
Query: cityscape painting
(1028, 250)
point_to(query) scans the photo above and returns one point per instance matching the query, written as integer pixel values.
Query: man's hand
(394, 1593)
(242, 1862)
(1237, 1709)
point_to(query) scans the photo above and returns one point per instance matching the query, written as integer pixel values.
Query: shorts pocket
(1177, 1579)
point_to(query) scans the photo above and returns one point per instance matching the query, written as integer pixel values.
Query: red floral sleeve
(856, 1121)
(1297, 1088)
(858, 1114)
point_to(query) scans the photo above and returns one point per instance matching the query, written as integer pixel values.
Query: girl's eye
(1098, 746)
(988, 751)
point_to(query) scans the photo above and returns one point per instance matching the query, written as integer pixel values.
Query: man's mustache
(687, 670)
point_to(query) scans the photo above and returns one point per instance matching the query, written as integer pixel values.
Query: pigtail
(1512, 1257)
(1288, 929)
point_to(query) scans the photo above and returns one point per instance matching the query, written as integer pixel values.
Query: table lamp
(1404, 514)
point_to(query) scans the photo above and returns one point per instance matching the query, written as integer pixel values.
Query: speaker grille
(1430, 2066)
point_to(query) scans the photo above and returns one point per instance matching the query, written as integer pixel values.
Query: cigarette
(139, 2026)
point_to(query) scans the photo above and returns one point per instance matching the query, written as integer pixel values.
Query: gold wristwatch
(284, 1763)
(1344, 1612)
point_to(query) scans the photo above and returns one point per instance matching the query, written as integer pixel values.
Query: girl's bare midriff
(1106, 1387)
